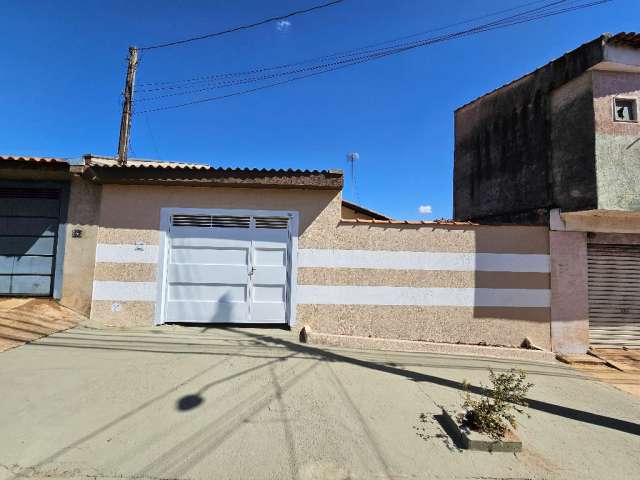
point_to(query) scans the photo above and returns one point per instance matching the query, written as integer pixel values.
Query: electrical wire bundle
(153, 94)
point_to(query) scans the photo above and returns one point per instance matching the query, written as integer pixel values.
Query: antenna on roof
(351, 160)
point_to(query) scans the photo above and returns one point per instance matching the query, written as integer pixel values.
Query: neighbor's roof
(407, 222)
(143, 163)
(622, 39)
(360, 209)
(631, 39)
(20, 158)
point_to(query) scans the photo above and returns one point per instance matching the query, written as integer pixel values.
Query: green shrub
(494, 411)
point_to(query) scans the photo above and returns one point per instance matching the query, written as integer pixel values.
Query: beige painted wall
(131, 214)
(569, 292)
(601, 221)
(472, 325)
(79, 253)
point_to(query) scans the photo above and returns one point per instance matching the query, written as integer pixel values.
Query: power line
(364, 54)
(328, 56)
(152, 136)
(241, 27)
(524, 17)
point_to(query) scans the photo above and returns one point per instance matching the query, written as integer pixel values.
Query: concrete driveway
(192, 403)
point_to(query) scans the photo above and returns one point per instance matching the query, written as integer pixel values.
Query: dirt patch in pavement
(23, 320)
(615, 366)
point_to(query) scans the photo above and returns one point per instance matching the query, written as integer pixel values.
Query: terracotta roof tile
(631, 39)
(406, 222)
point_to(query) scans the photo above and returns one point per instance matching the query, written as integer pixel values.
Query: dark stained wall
(505, 168)
(573, 143)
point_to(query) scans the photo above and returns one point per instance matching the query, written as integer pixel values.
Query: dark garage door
(614, 295)
(28, 236)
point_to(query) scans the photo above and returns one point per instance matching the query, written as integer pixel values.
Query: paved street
(192, 403)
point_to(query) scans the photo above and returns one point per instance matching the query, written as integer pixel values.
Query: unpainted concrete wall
(573, 176)
(617, 143)
(505, 168)
(79, 254)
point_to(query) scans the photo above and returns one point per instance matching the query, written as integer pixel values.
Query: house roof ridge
(629, 39)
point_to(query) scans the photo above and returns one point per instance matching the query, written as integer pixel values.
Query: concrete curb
(366, 343)
(478, 441)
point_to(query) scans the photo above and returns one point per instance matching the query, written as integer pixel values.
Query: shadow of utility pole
(551, 408)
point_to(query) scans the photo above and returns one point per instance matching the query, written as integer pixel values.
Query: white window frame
(165, 225)
(635, 109)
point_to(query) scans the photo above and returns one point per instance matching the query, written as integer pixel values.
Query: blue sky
(62, 69)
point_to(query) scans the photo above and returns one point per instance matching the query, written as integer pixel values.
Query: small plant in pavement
(494, 411)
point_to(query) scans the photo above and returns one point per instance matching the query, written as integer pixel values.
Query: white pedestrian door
(227, 269)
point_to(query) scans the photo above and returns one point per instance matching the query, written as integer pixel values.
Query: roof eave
(215, 178)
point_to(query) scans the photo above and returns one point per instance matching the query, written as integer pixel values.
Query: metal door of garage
(28, 235)
(614, 295)
(227, 269)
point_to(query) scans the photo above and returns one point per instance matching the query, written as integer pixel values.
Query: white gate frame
(165, 225)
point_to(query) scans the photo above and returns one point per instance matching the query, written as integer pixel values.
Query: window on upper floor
(625, 110)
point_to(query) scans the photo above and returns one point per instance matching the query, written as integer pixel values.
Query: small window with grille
(625, 110)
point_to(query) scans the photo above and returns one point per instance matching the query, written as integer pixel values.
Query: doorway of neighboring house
(30, 216)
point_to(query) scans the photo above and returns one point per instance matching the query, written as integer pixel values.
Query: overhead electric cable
(364, 53)
(337, 54)
(524, 17)
(242, 27)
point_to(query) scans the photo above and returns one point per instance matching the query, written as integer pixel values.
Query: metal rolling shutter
(28, 233)
(614, 295)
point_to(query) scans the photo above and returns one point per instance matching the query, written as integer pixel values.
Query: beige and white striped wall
(128, 237)
(433, 282)
(436, 282)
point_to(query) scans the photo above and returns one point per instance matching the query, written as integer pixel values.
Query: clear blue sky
(62, 69)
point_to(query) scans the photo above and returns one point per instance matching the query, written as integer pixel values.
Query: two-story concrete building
(561, 147)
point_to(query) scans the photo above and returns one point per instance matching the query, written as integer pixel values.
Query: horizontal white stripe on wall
(126, 253)
(124, 291)
(440, 297)
(383, 259)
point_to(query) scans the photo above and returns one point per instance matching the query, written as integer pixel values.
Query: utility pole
(125, 121)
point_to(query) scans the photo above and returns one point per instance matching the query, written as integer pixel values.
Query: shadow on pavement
(566, 412)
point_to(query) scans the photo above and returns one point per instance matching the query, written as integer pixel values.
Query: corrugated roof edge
(111, 162)
(630, 39)
(23, 158)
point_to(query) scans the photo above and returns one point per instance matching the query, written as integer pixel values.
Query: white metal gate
(614, 295)
(227, 269)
